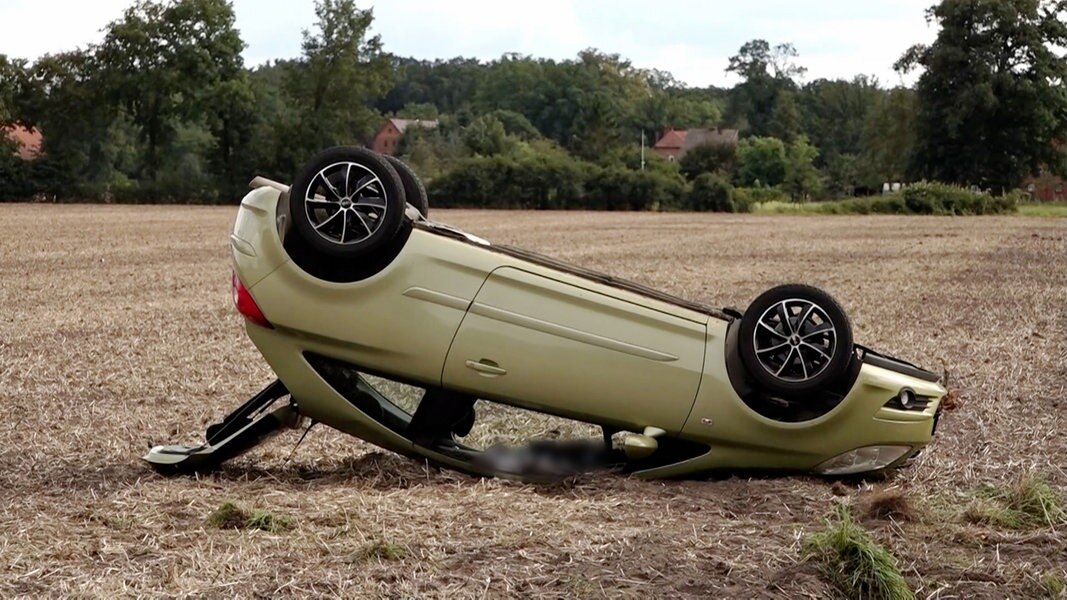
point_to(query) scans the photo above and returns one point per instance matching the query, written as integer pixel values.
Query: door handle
(486, 367)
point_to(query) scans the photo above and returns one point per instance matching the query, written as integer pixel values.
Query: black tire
(360, 184)
(802, 350)
(414, 191)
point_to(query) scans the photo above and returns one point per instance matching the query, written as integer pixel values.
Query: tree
(766, 72)
(761, 161)
(992, 95)
(485, 136)
(757, 59)
(342, 72)
(163, 61)
(785, 118)
(14, 81)
(834, 114)
(801, 176)
(709, 158)
(889, 133)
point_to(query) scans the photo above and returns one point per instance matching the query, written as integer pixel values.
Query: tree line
(164, 109)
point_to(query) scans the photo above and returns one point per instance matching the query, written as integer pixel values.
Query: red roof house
(674, 143)
(389, 134)
(28, 141)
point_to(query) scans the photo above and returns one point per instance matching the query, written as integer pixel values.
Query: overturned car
(343, 280)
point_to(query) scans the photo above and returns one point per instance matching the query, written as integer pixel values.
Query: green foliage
(1044, 209)
(889, 136)
(486, 136)
(344, 70)
(785, 118)
(761, 161)
(856, 564)
(835, 114)
(162, 62)
(751, 197)
(711, 192)
(991, 96)
(535, 180)
(940, 199)
(801, 177)
(1030, 501)
(925, 199)
(163, 110)
(709, 158)
(767, 73)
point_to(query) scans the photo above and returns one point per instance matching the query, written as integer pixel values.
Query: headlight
(868, 458)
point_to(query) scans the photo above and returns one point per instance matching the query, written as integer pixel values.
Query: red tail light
(246, 305)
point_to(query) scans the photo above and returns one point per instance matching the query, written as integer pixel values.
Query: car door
(574, 350)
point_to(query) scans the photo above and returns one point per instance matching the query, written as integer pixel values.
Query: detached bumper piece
(240, 431)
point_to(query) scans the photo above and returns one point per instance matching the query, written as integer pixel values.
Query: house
(674, 143)
(389, 134)
(1045, 187)
(27, 141)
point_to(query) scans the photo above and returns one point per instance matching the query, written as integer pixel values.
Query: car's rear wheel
(347, 202)
(414, 191)
(795, 339)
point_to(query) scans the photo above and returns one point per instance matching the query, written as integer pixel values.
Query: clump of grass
(1028, 502)
(890, 504)
(857, 565)
(985, 511)
(1052, 585)
(231, 516)
(265, 521)
(1034, 497)
(382, 550)
(228, 516)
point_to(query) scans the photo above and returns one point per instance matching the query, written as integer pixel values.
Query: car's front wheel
(795, 339)
(347, 202)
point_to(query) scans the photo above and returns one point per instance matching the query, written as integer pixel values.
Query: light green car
(342, 275)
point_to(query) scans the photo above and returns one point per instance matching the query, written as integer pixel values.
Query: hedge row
(928, 199)
(554, 183)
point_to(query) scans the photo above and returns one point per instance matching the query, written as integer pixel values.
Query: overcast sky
(690, 38)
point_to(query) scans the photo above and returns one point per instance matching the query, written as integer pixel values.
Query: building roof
(671, 139)
(27, 140)
(402, 124)
(699, 137)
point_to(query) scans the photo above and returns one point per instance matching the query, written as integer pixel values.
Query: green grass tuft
(1033, 497)
(228, 516)
(264, 521)
(1052, 585)
(1029, 502)
(855, 563)
(382, 550)
(231, 516)
(986, 511)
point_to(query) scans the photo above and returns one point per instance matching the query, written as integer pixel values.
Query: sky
(692, 39)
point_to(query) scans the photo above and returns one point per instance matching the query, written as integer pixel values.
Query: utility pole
(642, 149)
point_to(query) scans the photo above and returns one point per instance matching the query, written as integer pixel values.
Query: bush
(926, 198)
(550, 181)
(616, 188)
(541, 182)
(745, 199)
(711, 193)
